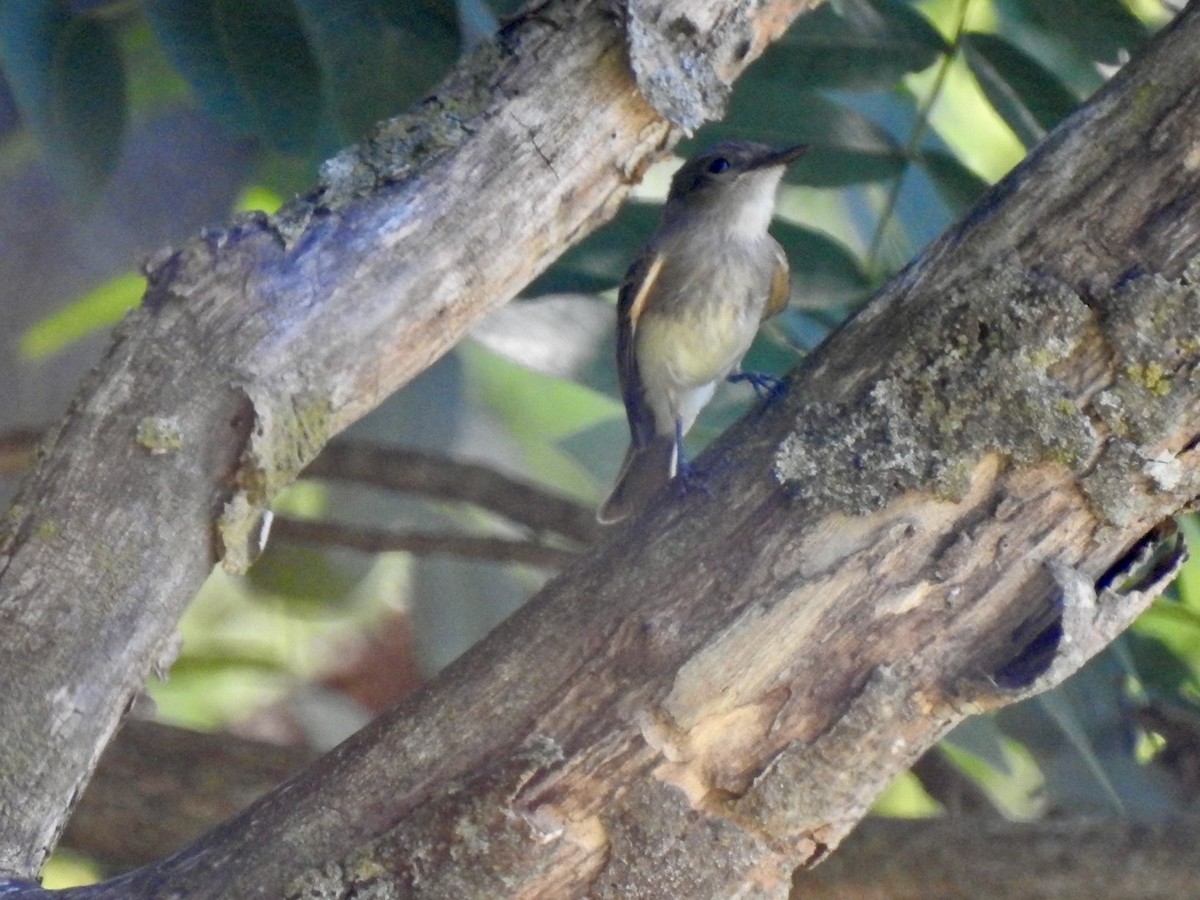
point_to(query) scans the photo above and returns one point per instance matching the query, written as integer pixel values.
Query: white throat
(746, 211)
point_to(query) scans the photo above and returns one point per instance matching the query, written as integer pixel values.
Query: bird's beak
(780, 157)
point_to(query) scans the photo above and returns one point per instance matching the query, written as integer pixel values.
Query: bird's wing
(781, 286)
(636, 293)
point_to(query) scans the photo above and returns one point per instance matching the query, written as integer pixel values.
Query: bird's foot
(766, 386)
(688, 480)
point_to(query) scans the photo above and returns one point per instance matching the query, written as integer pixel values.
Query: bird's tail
(647, 468)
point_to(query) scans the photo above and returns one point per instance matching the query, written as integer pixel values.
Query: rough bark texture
(158, 787)
(258, 342)
(935, 518)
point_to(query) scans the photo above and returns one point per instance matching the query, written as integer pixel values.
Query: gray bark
(158, 788)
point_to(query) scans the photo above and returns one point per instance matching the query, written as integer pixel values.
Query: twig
(431, 475)
(375, 540)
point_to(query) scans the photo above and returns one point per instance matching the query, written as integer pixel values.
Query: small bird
(690, 305)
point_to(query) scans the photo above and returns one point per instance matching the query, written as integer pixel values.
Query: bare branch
(433, 475)
(416, 472)
(158, 787)
(377, 540)
(16, 450)
(965, 858)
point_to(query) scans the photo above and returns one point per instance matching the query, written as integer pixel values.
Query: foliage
(911, 108)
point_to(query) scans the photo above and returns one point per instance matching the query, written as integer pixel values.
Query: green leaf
(360, 57)
(188, 33)
(541, 412)
(27, 30)
(957, 185)
(425, 44)
(1188, 581)
(1025, 94)
(1162, 670)
(1065, 715)
(476, 21)
(67, 78)
(275, 70)
(206, 693)
(258, 197)
(307, 579)
(88, 89)
(845, 146)
(100, 308)
(905, 798)
(1078, 734)
(855, 45)
(1102, 30)
(598, 263)
(1000, 766)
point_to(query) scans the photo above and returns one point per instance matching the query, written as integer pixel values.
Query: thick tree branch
(256, 343)
(928, 521)
(157, 787)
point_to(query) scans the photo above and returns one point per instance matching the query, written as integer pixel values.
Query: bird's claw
(689, 481)
(765, 386)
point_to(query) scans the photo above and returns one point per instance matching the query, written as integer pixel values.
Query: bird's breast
(706, 316)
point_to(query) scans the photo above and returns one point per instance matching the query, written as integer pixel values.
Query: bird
(690, 306)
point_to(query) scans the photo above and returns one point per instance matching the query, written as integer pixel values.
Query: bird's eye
(718, 165)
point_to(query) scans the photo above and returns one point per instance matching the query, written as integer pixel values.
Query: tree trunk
(952, 506)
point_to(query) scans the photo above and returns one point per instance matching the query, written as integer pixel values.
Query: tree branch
(418, 472)
(378, 540)
(426, 474)
(157, 787)
(965, 858)
(933, 515)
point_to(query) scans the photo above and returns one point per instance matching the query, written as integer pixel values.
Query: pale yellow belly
(682, 357)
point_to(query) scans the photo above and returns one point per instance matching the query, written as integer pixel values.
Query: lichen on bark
(972, 376)
(1152, 325)
(1024, 366)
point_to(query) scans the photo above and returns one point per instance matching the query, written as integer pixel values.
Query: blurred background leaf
(66, 76)
(126, 126)
(1029, 98)
(855, 45)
